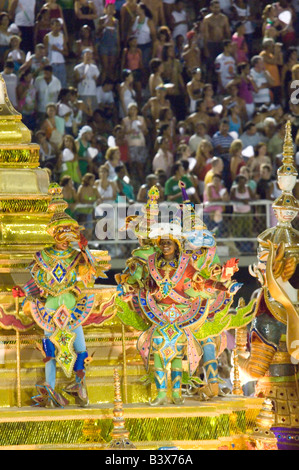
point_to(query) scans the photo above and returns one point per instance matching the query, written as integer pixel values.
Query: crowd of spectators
(123, 94)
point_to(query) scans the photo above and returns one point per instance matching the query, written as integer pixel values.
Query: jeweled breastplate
(55, 271)
(173, 272)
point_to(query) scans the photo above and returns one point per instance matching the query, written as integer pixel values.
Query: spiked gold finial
(263, 438)
(288, 146)
(287, 173)
(12, 130)
(119, 434)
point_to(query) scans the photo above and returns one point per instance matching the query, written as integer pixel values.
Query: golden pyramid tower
(286, 206)
(24, 197)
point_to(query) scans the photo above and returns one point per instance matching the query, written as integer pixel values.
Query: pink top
(241, 48)
(133, 60)
(215, 194)
(245, 91)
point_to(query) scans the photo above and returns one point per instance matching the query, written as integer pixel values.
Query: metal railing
(231, 226)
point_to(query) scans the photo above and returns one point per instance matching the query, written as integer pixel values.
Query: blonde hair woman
(204, 155)
(236, 159)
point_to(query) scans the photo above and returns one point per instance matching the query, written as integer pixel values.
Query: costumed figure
(274, 333)
(57, 299)
(175, 291)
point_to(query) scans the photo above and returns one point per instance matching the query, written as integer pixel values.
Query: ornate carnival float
(146, 336)
(274, 333)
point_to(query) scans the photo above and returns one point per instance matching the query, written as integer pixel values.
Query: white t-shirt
(25, 13)
(195, 140)
(4, 39)
(226, 66)
(225, 6)
(142, 32)
(99, 6)
(136, 137)
(181, 29)
(243, 13)
(64, 111)
(55, 57)
(295, 4)
(163, 161)
(11, 82)
(104, 97)
(263, 95)
(88, 86)
(46, 92)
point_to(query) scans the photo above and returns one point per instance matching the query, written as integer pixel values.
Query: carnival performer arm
(205, 288)
(136, 274)
(213, 277)
(133, 277)
(93, 263)
(27, 292)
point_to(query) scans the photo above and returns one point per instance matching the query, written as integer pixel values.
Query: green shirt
(172, 187)
(66, 4)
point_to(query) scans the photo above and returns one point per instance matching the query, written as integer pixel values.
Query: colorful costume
(58, 300)
(174, 298)
(274, 333)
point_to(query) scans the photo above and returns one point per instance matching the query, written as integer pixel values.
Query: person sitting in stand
(191, 55)
(203, 156)
(88, 195)
(106, 100)
(136, 131)
(172, 191)
(57, 50)
(150, 181)
(132, 60)
(216, 169)
(163, 37)
(68, 161)
(194, 195)
(236, 159)
(200, 134)
(125, 189)
(69, 194)
(200, 114)
(15, 53)
(36, 61)
(264, 186)
(214, 193)
(155, 79)
(5, 36)
(241, 195)
(83, 141)
(85, 41)
(259, 158)
(53, 126)
(164, 157)
(48, 155)
(221, 142)
(194, 88)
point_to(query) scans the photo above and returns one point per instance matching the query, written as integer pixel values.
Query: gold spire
(262, 437)
(12, 130)
(288, 167)
(119, 434)
(287, 176)
(288, 146)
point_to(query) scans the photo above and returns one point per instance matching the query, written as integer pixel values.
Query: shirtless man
(191, 54)
(154, 105)
(215, 29)
(151, 180)
(156, 7)
(199, 115)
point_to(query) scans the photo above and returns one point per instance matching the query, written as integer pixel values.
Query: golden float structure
(234, 422)
(274, 348)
